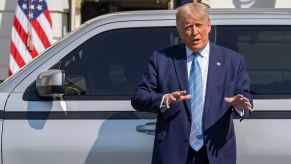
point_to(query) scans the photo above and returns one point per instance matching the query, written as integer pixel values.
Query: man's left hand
(239, 102)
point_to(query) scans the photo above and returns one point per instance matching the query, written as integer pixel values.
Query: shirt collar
(204, 53)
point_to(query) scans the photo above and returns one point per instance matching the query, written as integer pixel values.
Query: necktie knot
(195, 54)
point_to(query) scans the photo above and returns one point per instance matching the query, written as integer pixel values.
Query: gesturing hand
(175, 97)
(239, 102)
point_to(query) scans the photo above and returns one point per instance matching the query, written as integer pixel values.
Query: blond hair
(192, 9)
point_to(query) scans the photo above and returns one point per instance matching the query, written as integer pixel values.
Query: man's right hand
(175, 97)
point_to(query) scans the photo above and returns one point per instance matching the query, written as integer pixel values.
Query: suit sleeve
(147, 97)
(243, 84)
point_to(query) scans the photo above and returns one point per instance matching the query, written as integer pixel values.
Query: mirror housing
(51, 83)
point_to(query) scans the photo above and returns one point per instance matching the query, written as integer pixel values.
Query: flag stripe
(17, 57)
(13, 65)
(22, 32)
(37, 43)
(9, 72)
(23, 19)
(46, 26)
(48, 18)
(23, 35)
(21, 47)
(41, 34)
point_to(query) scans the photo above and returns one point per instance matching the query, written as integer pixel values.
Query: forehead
(193, 19)
(190, 19)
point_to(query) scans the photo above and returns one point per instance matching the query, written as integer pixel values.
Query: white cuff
(240, 112)
(163, 108)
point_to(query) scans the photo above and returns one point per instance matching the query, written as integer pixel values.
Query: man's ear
(209, 25)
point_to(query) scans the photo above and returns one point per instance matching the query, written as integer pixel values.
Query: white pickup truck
(71, 105)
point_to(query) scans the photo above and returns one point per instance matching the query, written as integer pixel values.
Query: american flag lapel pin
(219, 62)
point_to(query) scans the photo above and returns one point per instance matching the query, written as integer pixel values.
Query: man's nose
(194, 30)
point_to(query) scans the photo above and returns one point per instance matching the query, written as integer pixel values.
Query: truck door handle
(149, 128)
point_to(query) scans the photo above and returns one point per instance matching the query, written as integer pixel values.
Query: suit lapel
(214, 72)
(180, 61)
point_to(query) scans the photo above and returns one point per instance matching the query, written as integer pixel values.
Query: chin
(196, 48)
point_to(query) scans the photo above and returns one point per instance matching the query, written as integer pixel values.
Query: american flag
(31, 32)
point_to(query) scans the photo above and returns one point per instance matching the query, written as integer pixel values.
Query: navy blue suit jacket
(166, 73)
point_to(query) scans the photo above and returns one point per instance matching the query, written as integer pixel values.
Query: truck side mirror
(51, 83)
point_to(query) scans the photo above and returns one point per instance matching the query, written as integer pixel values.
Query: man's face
(194, 31)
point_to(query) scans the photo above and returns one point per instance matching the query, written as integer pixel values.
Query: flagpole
(171, 4)
(72, 14)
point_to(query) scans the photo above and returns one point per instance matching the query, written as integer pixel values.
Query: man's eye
(199, 25)
(188, 27)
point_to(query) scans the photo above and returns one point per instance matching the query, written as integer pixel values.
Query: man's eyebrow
(188, 25)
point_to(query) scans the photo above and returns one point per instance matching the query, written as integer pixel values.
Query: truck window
(267, 51)
(110, 65)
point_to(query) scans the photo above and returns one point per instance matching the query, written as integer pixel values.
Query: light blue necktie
(197, 104)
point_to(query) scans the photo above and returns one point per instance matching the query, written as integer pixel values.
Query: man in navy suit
(194, 88)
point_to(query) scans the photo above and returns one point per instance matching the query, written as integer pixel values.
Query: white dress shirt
(203, 61)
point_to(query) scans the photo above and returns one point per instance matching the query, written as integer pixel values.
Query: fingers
(249, 108)
(178, 93)
(233, 98)
(167, 102)
(245, 106)
(186, 97)
(244, 99)
(236, 98)
(175, 97)
(180, 96)
(170, 98)
(228, 99)
(239, 102)
(242, 105)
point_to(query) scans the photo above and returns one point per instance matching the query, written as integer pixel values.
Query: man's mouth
(195, 41)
